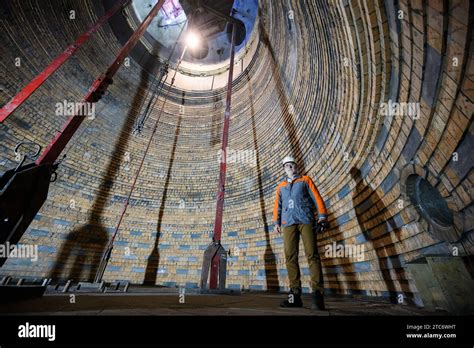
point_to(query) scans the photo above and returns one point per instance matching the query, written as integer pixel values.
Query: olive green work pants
(291, 240)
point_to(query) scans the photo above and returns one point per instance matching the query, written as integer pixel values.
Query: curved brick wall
(313, 89)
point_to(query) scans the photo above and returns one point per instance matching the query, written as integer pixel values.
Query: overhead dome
(205, 67)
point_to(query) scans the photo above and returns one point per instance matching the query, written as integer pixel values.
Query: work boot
(317, 301)
(293, 301)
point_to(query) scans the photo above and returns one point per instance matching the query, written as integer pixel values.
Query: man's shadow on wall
(342, 270)
(376, 237)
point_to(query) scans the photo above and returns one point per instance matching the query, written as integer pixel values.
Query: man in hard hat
(293, 215)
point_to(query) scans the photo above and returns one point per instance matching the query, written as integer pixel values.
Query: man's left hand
(323, 225)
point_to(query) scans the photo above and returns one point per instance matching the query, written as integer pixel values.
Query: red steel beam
(213, 279)
(225, 141)
(31, 87)
(99, 86)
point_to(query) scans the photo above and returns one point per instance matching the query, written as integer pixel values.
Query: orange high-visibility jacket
(295, 202)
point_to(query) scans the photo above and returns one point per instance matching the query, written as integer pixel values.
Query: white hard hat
(288, 159)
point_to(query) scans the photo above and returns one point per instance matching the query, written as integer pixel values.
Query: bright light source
(192, 40)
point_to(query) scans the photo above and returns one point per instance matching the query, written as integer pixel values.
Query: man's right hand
(277, 229)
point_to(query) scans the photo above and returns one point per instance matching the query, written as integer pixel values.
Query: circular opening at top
(428, 201)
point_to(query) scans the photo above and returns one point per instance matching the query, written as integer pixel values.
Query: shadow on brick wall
(84, 247)
(80, 254)
(342, 270)
(269, 258)
(287, 116)
(376, 236)
(154, 258)
(215, 120)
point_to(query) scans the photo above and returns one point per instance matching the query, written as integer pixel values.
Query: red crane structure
(23, 190)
